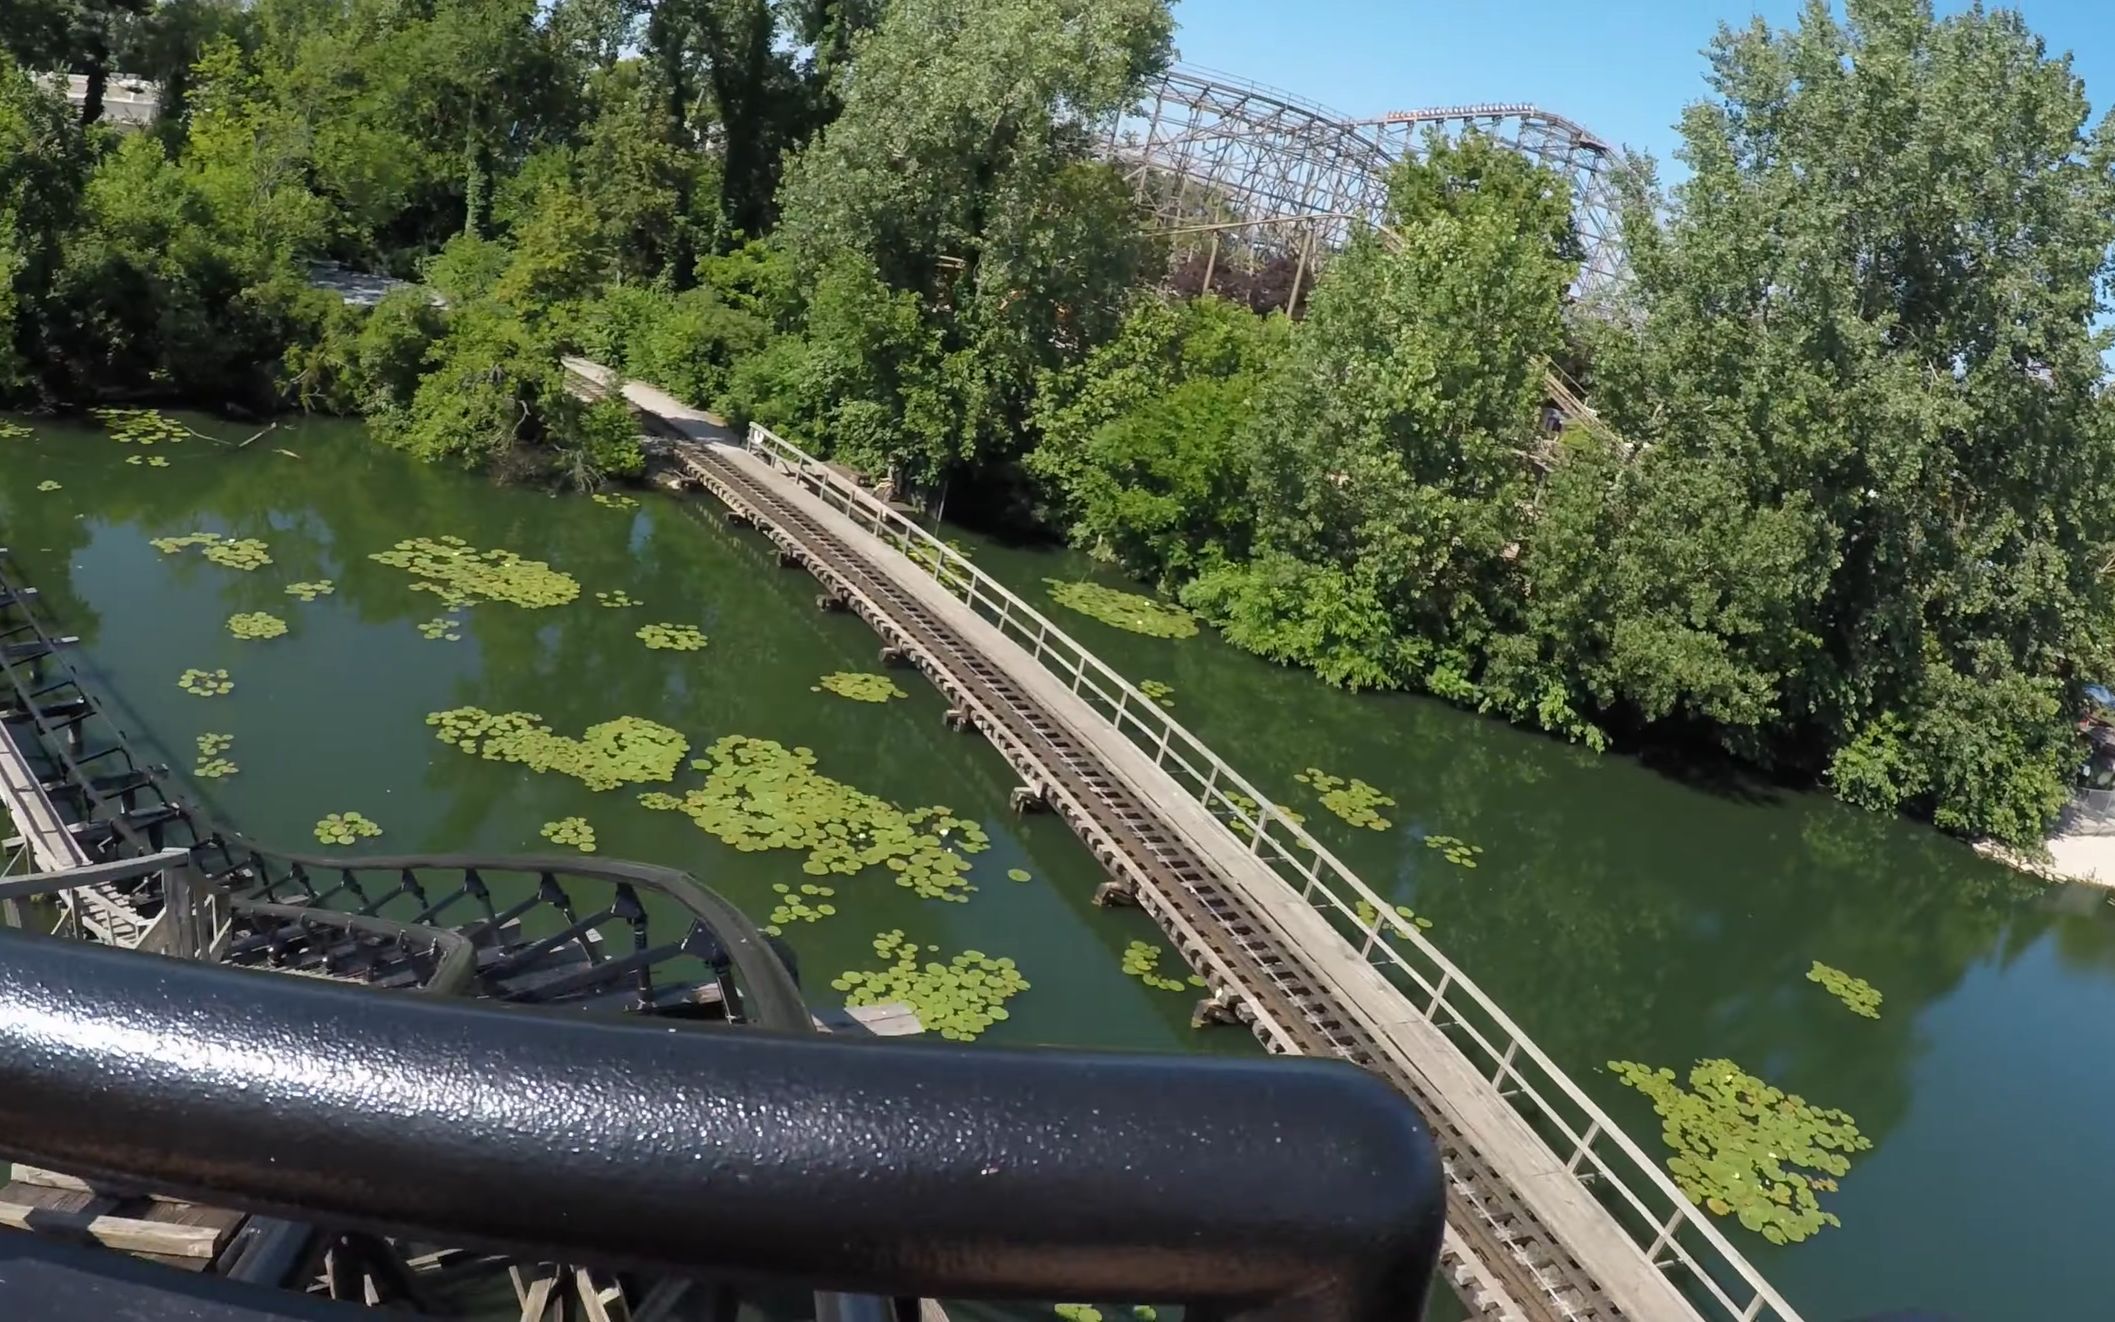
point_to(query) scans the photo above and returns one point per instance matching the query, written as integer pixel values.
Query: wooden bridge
(1553, 1212)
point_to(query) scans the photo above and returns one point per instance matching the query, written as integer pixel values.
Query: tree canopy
(1839, 508)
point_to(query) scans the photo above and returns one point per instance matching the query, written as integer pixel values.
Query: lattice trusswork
(1256, 188)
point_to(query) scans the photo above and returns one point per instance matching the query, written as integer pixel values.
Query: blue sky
(1623, 68)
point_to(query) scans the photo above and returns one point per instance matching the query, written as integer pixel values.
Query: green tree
(959, 176)
(1143, 448)
(1866, 530)
(1398, 445)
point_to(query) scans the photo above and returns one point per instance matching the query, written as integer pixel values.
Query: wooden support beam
(125, 1233)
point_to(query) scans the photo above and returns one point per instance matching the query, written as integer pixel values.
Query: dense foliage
(1839, 511)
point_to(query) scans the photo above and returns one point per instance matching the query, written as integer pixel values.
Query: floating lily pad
(807, 903)
(146, 461)
(1164, 694)
(244, 553)
(461, 575)
(1124, 610)
(759, 794)
(1737, 1142)
(671, 637)
(612, 500)
(344, 828)
(1018, 874)
(1367, 913)
(141, 426)
(1457, 851)
(630, 750)
(256, 626)
(1858, 996)
(211, 765)
(1142, 961)
(617, 599)
(321, 587)
(48, 485)
(1353, 800)
(1249, 807)
(573, 831)
(440, 629)
(860, 687)
(958, 999)
(206, 683)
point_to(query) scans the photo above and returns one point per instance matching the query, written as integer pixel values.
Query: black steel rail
(1129, 835)
(1274, 1190)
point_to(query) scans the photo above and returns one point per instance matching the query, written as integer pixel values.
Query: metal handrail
(897, 1169)
(1591, 1144)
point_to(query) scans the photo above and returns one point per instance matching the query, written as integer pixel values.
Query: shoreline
(2085, 860)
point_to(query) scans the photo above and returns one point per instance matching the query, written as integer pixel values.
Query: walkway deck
(32, 817)
(1527, 1237)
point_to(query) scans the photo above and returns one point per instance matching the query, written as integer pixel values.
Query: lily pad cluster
(440, 629)
(244, 553)
(461, 575)
(859, 687)
(1455, 850)
(630, 750)
(617, 599)
(958, 999)
(759, 794)
(1740, 1145)
(1353, 800)
(573, 831)
(141, 426)
(1124, 610)
(147, 461)
(1142, 961)
(13, 431)
(1367, 913)
(671, 637)
(206, 683)
(309, 591)
(48, 485)
(1250, 807)
(256, 626)
(1858, 996)
(809, 904)
(344, 828)
(211, 765)
(1164, 694)
(612, 500)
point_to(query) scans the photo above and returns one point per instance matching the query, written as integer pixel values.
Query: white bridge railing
(1677, 1236)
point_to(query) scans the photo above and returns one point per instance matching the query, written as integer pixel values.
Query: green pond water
(1619, 910)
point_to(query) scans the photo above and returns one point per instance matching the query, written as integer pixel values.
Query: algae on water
(630, 750)
(759, 794)
(1745, 1149)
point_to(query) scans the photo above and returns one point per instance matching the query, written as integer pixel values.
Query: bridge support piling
(831, 603)
(1221, 1007)
(1028, 798)
(1116, 895)
(895, 658)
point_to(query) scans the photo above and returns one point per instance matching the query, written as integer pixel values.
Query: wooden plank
(116, 1232)
(892, 1020)
(51, 845)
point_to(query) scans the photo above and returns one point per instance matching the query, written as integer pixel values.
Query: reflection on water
(1624, 912)
(1617, 911)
